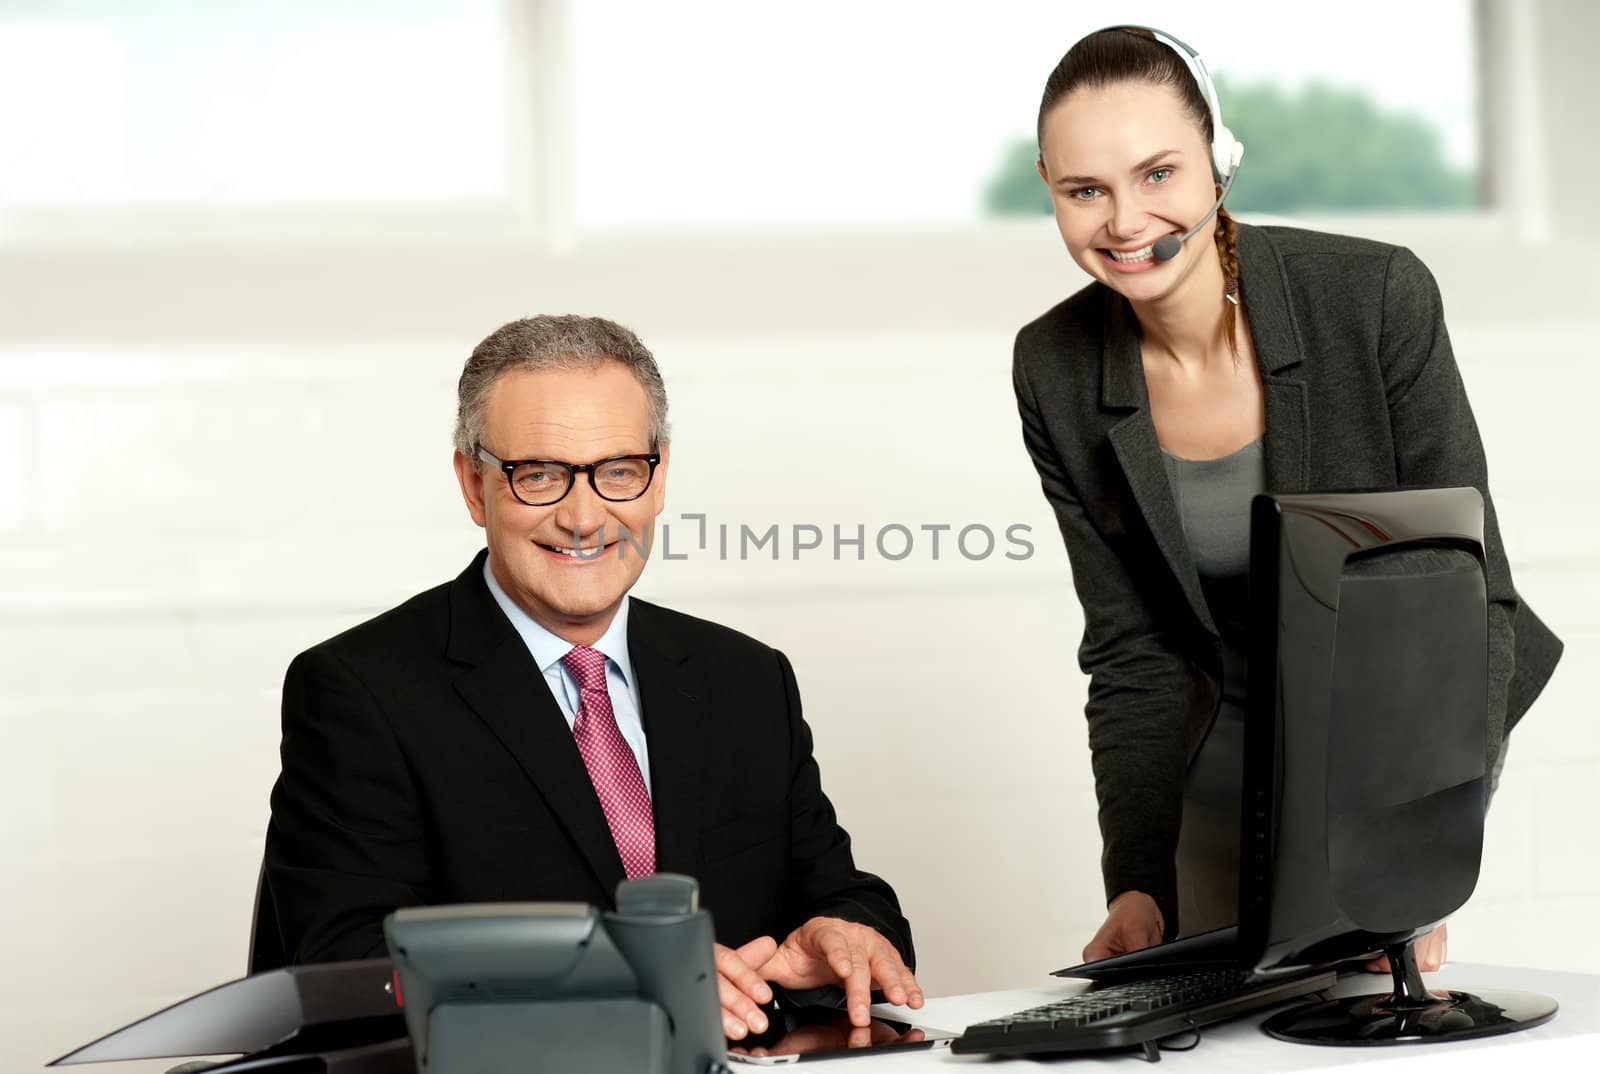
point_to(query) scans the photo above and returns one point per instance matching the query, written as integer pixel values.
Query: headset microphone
(1167, 246)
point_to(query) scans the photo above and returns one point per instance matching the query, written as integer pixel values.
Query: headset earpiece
(1226, 150)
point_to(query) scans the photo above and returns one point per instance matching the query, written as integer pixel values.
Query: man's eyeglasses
(542, 482)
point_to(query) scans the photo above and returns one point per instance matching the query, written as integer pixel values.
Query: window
(708, 114)
(211, 104)
(700, 115)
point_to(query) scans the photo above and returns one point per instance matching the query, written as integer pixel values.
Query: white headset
(1226, 150)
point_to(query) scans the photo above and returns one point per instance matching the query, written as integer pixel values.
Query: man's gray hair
(553, 342)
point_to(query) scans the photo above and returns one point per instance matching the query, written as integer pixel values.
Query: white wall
(186, 518)
(183, 507)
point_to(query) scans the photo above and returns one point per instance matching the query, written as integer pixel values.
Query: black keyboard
(1134, 1013)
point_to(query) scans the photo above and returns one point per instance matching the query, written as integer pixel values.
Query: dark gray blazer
(1362, 393)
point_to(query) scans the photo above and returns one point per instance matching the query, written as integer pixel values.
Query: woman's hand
(1430, 949)
(1133, 922)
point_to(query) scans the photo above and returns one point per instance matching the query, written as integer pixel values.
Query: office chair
(266, 942)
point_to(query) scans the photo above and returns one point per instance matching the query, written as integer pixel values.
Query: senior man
(529, 731)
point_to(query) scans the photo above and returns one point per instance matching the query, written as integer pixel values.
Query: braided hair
(1228, 252)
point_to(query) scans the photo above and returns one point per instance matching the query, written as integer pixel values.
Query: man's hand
(826, 950)
(1133, 922)
(1430, 949)
(740, 987)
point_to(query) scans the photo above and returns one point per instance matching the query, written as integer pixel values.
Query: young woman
(1207, 362)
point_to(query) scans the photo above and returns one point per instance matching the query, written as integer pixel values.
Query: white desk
(1570, 1041)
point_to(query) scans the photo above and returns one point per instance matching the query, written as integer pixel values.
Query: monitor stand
(1411, 1014)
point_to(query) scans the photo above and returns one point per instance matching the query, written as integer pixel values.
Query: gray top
(1213, 498)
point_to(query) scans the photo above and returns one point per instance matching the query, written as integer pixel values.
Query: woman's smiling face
(1127, 164)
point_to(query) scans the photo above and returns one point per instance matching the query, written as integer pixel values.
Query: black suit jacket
(425, 761)
(1361, 392)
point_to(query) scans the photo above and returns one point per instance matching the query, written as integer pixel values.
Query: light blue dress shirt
(548, 649)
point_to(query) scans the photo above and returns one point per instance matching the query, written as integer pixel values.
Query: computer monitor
(1366, 755)
(1365, 775)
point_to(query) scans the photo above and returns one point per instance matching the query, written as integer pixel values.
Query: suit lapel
(505, 688)
(1263, 288)
(672, 696)
(1134, 440)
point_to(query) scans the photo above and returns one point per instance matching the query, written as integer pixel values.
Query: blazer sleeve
(345, 842)
(1436, 443)
(823, 874)
(1141, 691)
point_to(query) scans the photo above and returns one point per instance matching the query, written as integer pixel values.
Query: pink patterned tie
(613, 769)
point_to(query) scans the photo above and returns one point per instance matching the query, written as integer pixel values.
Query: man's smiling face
(574, 416)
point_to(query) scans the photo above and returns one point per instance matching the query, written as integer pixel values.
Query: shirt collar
(547, 648)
